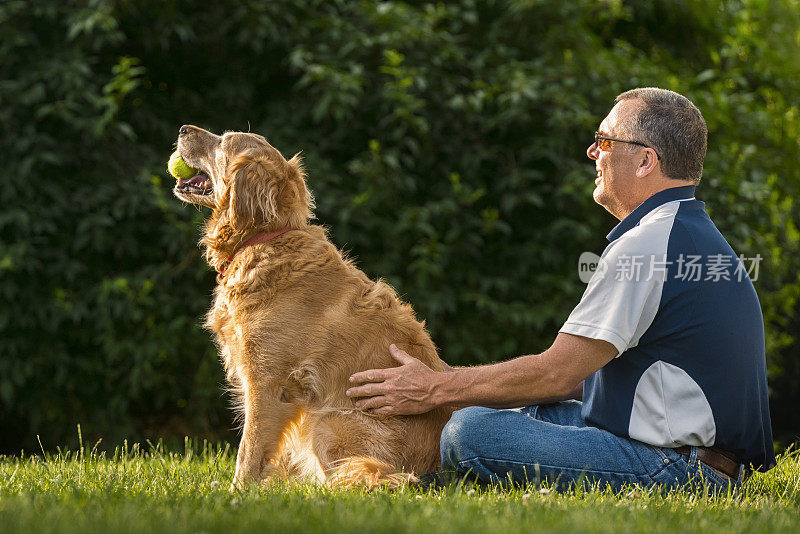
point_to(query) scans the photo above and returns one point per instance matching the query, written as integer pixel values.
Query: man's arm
(413, 388)
(577, 393)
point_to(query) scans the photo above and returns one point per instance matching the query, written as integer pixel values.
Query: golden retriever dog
(293, 319)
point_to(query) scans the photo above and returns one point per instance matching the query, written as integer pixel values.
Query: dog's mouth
(199, 184)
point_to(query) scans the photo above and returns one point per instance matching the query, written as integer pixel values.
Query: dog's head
(247, 182)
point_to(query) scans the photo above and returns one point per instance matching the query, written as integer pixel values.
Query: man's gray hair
(673, 126)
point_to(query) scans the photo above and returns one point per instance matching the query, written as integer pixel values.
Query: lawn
(146, 489)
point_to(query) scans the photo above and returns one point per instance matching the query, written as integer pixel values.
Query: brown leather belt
(719, 460)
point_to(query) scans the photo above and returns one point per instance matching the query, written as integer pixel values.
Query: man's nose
(592, 151)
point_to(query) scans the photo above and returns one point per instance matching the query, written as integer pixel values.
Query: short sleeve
(622, 297)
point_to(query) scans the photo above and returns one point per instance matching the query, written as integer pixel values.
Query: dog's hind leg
(354, 452)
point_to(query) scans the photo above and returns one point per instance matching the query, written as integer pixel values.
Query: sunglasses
(605, 143)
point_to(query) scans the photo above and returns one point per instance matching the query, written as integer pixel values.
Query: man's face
(616, 168)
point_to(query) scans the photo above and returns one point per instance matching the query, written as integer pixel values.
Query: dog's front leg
(266, 417)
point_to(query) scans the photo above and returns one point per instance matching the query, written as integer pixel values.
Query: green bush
(445, 146)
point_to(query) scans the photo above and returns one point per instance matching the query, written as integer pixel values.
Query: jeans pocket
(673, 470)
(713, 477)
(668, 454)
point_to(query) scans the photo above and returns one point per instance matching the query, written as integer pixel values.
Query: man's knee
(461, 436)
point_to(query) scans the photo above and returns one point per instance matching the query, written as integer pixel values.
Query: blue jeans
(552, 443)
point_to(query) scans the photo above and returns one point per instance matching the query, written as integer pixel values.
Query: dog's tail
(369, 472)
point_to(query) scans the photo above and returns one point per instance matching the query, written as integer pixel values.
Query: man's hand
(405, 390)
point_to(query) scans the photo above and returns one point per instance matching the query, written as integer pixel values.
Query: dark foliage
(445, 146)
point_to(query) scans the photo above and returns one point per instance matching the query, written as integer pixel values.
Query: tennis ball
(179, 169)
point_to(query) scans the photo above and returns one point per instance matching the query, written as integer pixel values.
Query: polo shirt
(679, 306)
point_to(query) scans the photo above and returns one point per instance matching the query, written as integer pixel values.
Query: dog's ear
(253, 190)
(298, 195)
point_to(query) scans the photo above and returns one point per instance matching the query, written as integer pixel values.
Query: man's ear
(253, 191)
(647, 163)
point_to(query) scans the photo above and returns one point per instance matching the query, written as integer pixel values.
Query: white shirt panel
(622, 297)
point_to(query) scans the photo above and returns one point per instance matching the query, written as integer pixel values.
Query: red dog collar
(262, 237)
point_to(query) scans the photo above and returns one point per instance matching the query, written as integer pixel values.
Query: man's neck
(668, 183)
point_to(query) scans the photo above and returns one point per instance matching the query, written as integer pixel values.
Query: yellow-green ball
(179, 169)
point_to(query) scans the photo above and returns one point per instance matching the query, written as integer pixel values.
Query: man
(666, 346)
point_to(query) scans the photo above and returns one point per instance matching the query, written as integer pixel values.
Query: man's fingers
(381, 375)
(373, 375)
(400, 355)
(371, 403)
(367, 390)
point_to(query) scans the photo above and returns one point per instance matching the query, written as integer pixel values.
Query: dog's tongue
(201, 180)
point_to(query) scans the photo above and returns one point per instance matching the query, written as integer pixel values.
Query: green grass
(145, 489)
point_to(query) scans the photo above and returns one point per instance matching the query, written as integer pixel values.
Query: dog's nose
(184, 130)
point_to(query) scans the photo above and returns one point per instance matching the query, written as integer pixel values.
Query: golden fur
(293, 319)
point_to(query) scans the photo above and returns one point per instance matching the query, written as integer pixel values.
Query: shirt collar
(667, 195)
